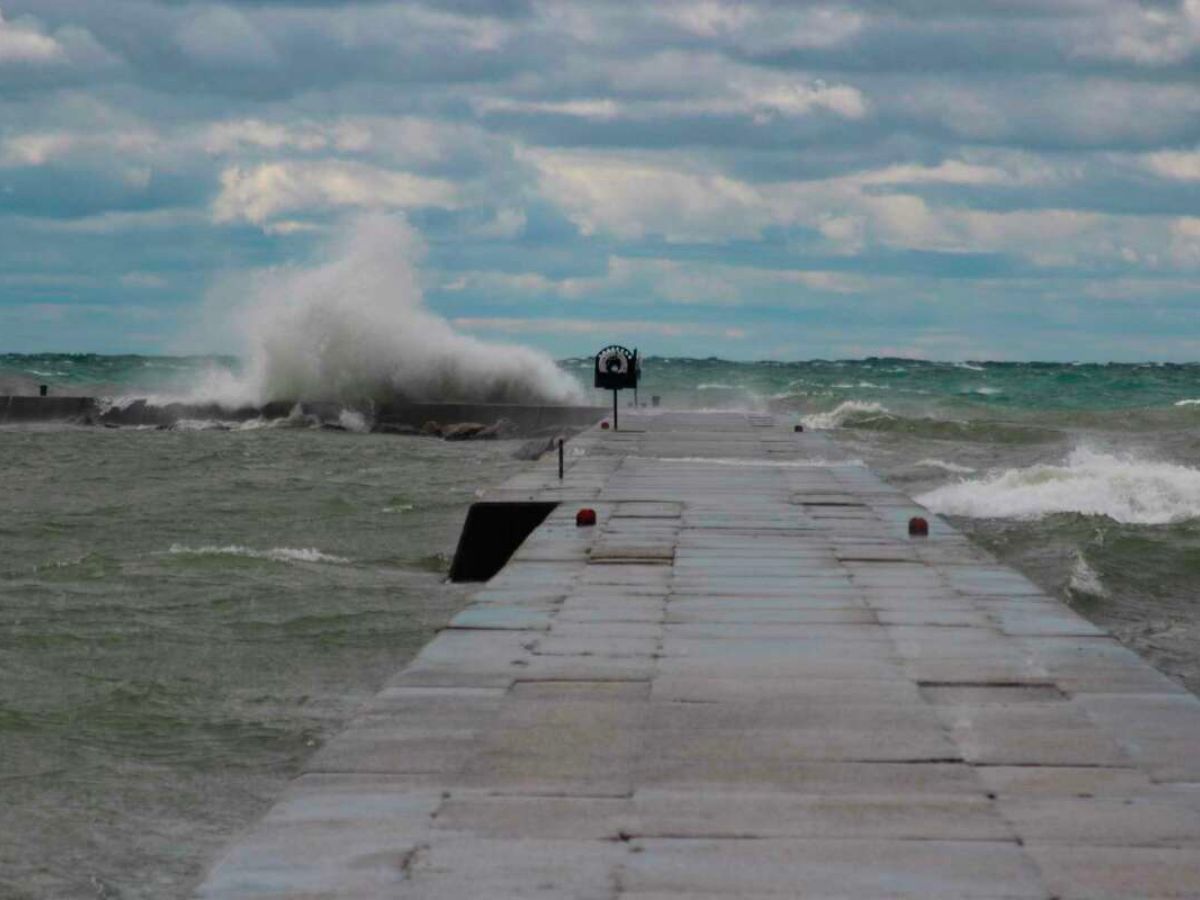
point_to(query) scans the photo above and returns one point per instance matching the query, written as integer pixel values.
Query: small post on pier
(43, 390)
(616, 369)
(560, 459)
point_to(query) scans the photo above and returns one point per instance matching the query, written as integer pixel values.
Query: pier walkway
(746, 681)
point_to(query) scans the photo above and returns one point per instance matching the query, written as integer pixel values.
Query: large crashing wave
(1091, 483)
(355, 329)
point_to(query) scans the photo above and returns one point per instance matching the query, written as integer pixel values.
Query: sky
(992, 179)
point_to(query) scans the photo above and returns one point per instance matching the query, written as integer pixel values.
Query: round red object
(918, 527)
(604, 426)
(585, 517)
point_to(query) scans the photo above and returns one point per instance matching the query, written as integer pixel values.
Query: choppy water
(184, 616)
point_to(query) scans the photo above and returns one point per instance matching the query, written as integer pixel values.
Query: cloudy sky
(1006, 179)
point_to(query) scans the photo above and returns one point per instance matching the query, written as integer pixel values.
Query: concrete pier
(746, 681)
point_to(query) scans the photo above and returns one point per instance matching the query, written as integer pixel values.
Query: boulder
(463, 431)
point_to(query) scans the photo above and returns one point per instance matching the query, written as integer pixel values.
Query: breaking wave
(843, 413)
(1091, 483)
(355, 329)
(871, 416)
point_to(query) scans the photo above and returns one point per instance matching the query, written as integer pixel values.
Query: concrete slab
(1118, 873)
(746, 682)
(832, 868)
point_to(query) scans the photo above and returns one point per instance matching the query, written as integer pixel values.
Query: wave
(1091, 483)
(871, 416)
(1187, 403)
(355, 329)
(275, 554)
(844, 412)
(944, 466)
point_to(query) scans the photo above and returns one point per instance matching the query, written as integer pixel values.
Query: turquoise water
(186, 615)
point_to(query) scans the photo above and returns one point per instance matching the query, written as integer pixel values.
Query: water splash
(355, 329)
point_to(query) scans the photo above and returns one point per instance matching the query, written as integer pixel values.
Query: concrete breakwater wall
(85, 410)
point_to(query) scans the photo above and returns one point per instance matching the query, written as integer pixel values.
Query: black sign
(617, 369)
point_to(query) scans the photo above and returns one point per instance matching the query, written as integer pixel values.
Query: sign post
(617, 369)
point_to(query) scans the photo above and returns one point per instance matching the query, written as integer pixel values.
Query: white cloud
(22, 41)
(631, 199)
(259, 193)
(1185, 240)
(1182, 166)
(40, 148)
(1150, 35)
(642, 280)
(761, 28)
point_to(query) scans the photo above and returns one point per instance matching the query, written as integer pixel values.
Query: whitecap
(1187, 403)
(944, 466)
(1123, 488)
(836, 417)
(276, 554)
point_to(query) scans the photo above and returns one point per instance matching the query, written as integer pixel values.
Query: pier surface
(746, 681)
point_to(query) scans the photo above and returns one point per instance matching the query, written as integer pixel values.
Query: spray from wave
(1125, 489)
(355, 329)
(1084, 581)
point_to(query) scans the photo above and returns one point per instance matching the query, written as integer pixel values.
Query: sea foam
(1123, 488)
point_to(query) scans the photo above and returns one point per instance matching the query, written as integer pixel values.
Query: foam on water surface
(275, 554)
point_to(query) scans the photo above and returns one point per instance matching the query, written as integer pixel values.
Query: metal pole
(616, 427)
(560, 459)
